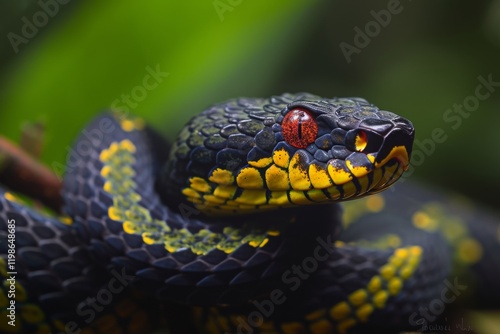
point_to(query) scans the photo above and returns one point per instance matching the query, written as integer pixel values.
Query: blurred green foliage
(418, 61)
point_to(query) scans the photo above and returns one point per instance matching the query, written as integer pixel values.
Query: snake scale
(266, 215)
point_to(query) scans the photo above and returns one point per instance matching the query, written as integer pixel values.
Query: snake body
(239, 219)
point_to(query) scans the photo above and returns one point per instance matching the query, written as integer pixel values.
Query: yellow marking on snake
(374, 285)
(105, 171)
(387, 271)
(3, 268)
(358, 297)
(226, 192)
(363, 184)
(432, 217)
(423, 221)
(222, 177)
(281, 157)
(277, 178)
(319, 177)
(249, 178)
(292, 327)
(298, 197)
(299, 178)
(397, 152)
(360, 142)
(353, 211)
(261, 163)
(199, 184)
(361, 303)
(131, 124)
(340, 311)
(363, 312)
(380, 298)
(66, 220)
(349, 190)
(317, 195)
(315, 315)
(274, 185)
(279, 198)
(371, 157)
(385, 176)
(394, 286)
(136, 219)
(344, 325)
(191, 193)
(339, 175)
(375, 203)
(29, 313)
(469, 250)
(11, 197)
(322, 326)
(334, 193)
(252, 196)
(387, 241)
(357, 171)
(377, 176)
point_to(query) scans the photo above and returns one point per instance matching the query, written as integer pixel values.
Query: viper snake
(266, 215)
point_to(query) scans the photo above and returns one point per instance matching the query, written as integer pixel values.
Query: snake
(265, 215)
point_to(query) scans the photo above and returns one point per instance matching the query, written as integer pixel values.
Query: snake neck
(111, 196)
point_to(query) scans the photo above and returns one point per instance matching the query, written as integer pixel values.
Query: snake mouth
(295, 177)
(377, 162)
(397, 145)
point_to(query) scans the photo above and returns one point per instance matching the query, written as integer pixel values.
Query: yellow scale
(357, 308)
(28, 313)
(432, 218)
(136, 219)
(286, 181)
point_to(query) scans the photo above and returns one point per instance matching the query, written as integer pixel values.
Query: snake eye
(299, 128)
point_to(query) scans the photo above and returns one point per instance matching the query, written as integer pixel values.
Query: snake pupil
(299, 128)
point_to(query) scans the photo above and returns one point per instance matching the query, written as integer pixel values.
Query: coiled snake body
(235, 220)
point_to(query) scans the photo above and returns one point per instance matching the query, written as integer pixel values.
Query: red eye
(299, 128)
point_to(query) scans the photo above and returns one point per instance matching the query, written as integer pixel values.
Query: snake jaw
(397, 145)
(400, 154)
(286, 151)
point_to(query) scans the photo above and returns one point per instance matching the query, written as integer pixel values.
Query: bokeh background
(61, 62)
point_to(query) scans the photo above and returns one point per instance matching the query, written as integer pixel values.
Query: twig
(22, 173)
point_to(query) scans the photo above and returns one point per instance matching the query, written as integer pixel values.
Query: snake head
(246, 155)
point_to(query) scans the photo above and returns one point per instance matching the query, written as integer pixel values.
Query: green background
(418, 63)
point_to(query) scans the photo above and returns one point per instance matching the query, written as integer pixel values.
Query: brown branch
(22, 173)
